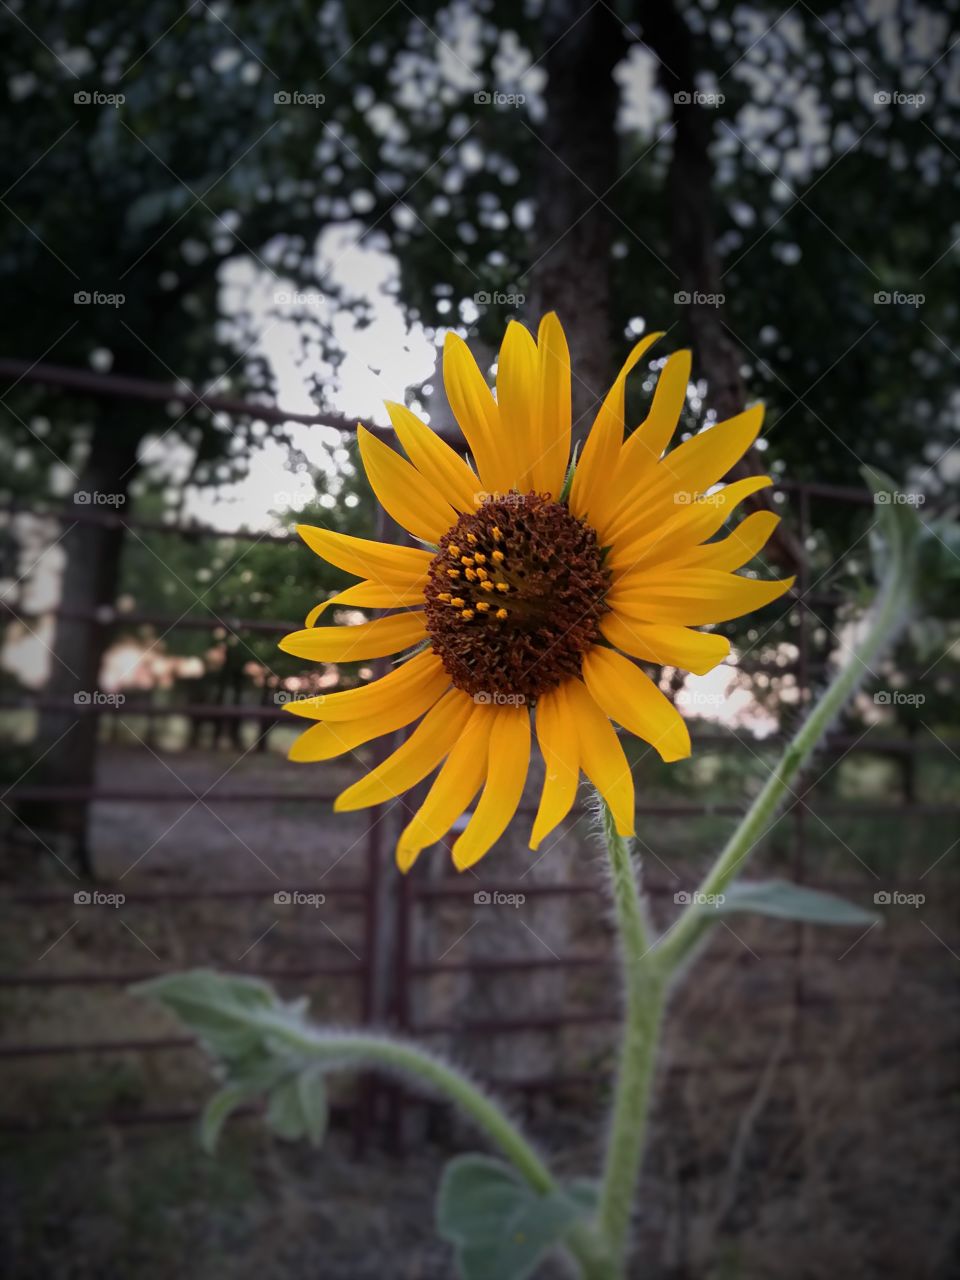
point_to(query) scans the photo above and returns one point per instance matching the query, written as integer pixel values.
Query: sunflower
(537, 586)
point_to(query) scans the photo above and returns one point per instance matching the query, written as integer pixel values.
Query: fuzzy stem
(890, 611)
(348, 1048)
(644, 994)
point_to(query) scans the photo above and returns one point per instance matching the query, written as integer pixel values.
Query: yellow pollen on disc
(499, 557)
(466, 613)
(458, 602)
(444, 596)
(501, 614)
(480, 558)
(481, 574)
(482, 606)
(471, 574)
(453, 573)
(453, 550)
(502, 586)
(466, 559)
(497, 535)
(487, 586)
(472, 539)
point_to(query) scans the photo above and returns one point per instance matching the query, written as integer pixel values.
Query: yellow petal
(601, 756)
(643, 448)
(453, 789)
(368, 595)
(324, 741)
(706, 458)
(735, 550)
(392, 565)
(422, 670)
(477, 414)
(403, 492)
(683, 477)
(631, 698)
(687, 472)
(689, 524)
(518, 390)
(509, 759)
(434, 459)
(693, 597)
(377, 639)
(553, 446)
(696, 651)
(557, 735)
(419, 755)
(590, 492)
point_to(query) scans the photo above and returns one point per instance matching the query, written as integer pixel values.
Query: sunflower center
(514, 597)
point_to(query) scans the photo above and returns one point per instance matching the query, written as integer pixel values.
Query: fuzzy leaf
(791, 902)
(216, 1113)
(499, 1226)
(298, 1108)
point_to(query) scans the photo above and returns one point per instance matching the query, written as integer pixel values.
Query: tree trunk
(689, 202)
(578, 163)
(67, 736)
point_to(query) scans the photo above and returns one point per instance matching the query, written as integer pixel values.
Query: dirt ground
(806, 1120)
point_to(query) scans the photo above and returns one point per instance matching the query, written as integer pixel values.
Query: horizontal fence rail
(388, 912)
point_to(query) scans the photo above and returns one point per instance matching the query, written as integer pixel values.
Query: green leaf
(791, 902)
(216, 1008)
(298, 1108)
(585, 1194)
(236, 1020)
(203, 997)
(216, 1113)
(571, 470)
(500, 1227)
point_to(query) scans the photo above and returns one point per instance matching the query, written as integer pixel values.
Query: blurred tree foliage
(507, 157)
(428, 140)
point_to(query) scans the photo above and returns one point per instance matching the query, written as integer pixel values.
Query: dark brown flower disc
(514, 597)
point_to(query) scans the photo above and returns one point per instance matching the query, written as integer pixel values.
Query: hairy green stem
(351, 1048)
(348, 1048)
(644, 996)
(890, 611)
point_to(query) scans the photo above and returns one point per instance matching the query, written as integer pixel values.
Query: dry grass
(805, 1126)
